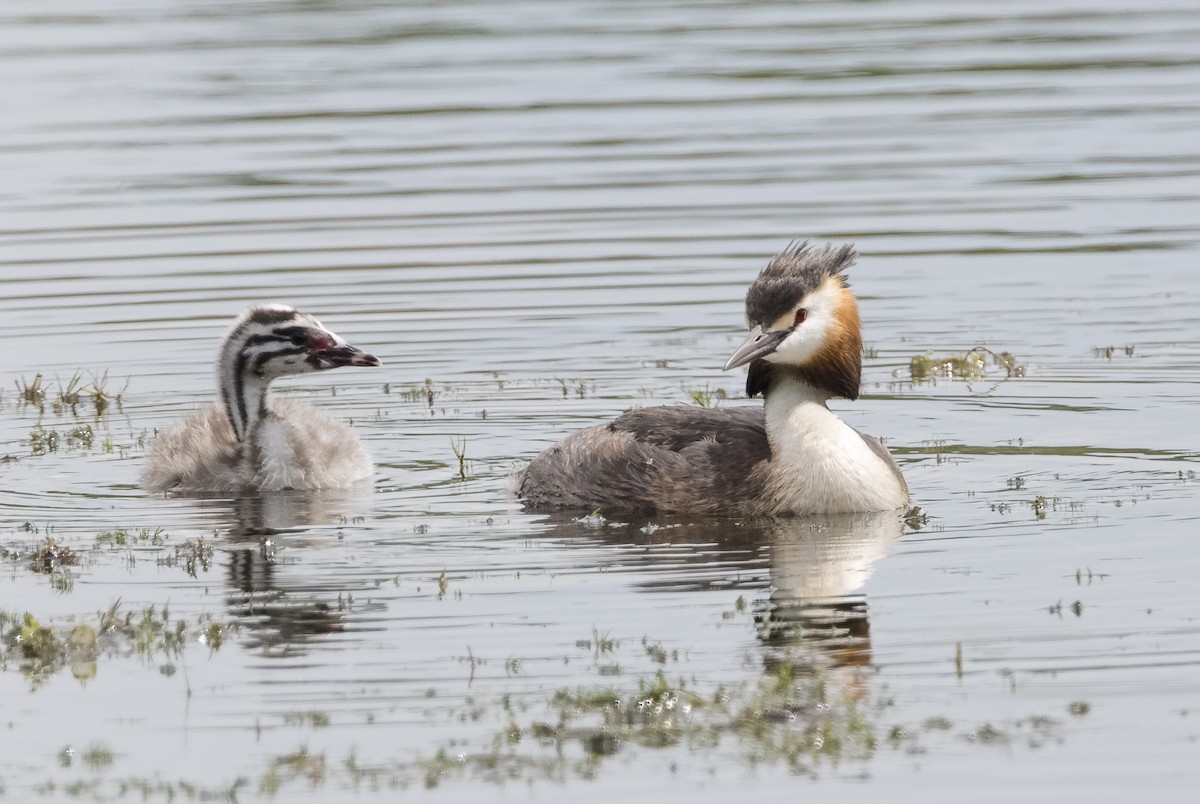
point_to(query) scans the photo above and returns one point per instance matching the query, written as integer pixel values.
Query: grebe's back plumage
(652, 459)
(250, 442)
(793, 455)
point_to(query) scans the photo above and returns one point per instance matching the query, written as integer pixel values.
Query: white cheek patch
(813, 334)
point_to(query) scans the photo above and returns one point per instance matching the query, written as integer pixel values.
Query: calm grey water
(539, 215)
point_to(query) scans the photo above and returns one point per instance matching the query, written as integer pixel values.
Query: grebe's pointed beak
(759, 344)
(344, 354)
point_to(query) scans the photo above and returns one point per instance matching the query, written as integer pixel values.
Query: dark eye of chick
(801, 315)
(299, 339)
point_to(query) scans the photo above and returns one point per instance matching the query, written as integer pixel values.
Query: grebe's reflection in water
(819, 567)
(802, 576)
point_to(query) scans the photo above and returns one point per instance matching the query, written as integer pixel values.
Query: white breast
(822, 465)
(298, 447)
(278, 467)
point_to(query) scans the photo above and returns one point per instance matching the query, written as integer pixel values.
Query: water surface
(539, 215)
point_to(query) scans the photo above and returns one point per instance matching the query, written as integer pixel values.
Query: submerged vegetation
(803, 723)
(149, 633)
(972, 365)
(54, 557)
(425, 393)
(459, 447)
(71, 394)
(707, 397)
(59, 410)
(50, 555)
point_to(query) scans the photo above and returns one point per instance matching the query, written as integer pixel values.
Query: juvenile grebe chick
(793, 455)
(247, 442)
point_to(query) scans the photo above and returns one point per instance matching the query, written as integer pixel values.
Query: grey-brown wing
(879, 449)
(665, 459)
(677, 427)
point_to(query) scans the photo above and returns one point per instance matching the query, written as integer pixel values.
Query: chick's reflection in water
(279, 609)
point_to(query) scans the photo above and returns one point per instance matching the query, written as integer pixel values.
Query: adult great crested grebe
(247, 442)
(792, 456)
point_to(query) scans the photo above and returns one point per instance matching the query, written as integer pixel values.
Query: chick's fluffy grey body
(251, 442)
(201, 454)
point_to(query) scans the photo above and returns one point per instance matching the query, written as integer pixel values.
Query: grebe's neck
(789, 387)
(820, 464)
(244, 396)
(795, 409)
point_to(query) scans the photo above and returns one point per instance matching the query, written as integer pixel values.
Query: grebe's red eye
(801, 314)
(318, 342)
